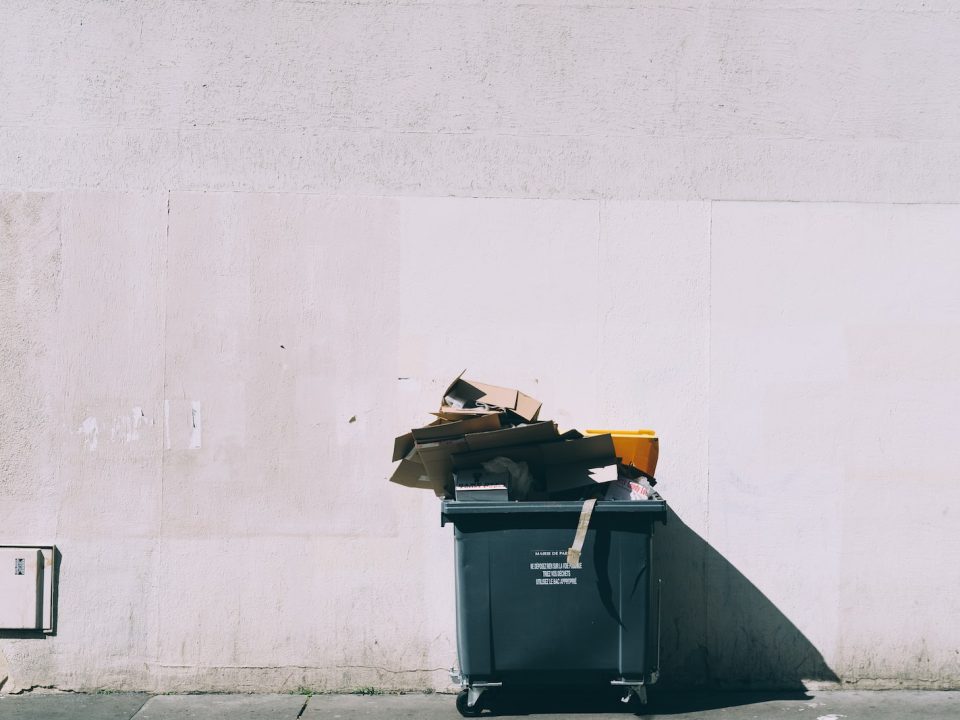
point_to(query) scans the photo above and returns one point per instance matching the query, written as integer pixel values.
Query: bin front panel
(523, 610)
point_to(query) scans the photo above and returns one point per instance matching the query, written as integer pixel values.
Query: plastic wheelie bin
(526, 617)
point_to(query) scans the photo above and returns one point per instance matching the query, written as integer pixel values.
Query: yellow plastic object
(639, 448)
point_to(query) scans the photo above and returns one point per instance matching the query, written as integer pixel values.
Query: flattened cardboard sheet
(596, 451)
(450, 430)
(561, 478)
(521, 435)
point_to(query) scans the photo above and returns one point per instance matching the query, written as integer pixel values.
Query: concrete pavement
(838, 705)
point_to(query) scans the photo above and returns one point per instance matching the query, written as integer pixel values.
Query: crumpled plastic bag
(629, 489)
(521, 481)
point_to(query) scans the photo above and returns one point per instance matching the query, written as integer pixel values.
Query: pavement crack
(142, 706)
(54, 688)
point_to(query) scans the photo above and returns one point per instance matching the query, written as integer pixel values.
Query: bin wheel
(637, 704)
(465, 709)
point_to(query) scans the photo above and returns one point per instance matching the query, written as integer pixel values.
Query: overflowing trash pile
(487, 443)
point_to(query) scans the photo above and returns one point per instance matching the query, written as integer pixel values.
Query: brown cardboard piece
(412, 473)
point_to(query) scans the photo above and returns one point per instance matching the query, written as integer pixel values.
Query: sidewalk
(849, 705)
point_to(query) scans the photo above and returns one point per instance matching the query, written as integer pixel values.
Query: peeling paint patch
(89, 428)
(126, 428)
(196, 426)
(831, 717)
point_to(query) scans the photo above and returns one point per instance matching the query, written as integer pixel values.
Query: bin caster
(634, 694)
(463, 703)
(639, 692)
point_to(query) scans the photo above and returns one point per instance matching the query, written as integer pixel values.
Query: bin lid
(450, 509)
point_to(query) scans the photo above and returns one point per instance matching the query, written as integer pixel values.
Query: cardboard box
(468, 396)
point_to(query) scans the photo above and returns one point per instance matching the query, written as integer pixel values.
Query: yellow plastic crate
(639, 448)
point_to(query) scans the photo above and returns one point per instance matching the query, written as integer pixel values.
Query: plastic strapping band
(573, 554)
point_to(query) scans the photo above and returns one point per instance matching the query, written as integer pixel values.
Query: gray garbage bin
(527, 617)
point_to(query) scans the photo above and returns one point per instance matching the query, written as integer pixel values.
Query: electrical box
(26, 588)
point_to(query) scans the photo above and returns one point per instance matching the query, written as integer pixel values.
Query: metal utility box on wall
(27, 587)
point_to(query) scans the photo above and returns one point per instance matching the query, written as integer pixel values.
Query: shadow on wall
(718, 630)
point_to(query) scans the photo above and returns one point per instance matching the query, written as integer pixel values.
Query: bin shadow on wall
(718, 630)
(723, 642)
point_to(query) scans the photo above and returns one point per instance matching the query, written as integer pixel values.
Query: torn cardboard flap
(437, 458)
(411, 473)
(402, 446)
(561, 478)
(404, 443)
(573, 554)
(527, 407)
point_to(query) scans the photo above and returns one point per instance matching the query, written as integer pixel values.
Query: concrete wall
(231, 238)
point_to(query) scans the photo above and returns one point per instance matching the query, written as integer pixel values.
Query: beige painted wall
(731, 222)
